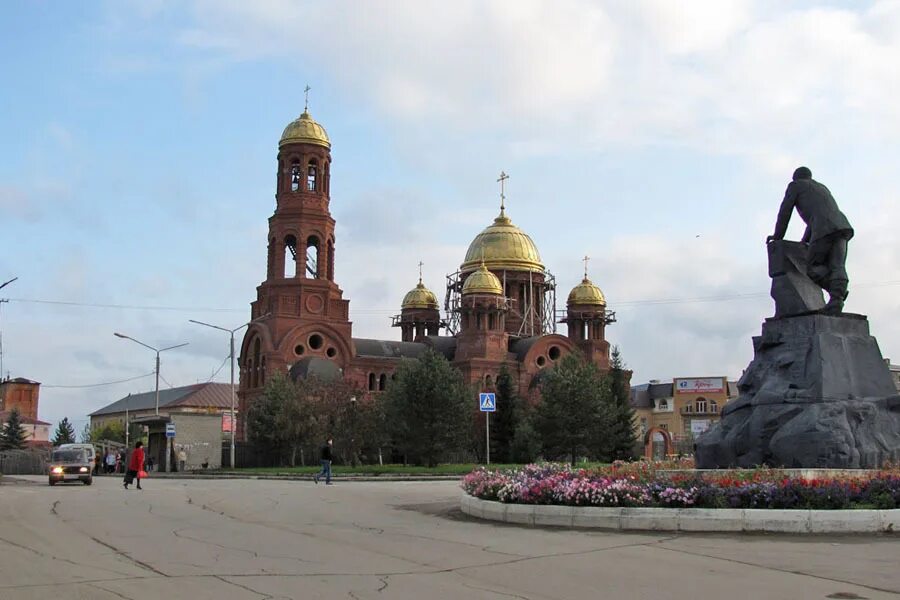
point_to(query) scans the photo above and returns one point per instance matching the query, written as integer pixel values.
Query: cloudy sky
(138, 144)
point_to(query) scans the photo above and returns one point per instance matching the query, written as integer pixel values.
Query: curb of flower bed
(686, 519)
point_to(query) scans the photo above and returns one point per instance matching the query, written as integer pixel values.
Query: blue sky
(138, 150)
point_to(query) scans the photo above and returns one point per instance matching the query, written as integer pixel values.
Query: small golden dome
(502, 245)
(420, 297)
(305, 130)
(482, 281)
(586, 293)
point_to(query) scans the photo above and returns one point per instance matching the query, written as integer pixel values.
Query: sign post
(487, 402)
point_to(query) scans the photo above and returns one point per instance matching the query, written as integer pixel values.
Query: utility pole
(2, 301)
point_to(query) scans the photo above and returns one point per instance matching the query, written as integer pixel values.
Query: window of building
(371, 382)
(663, 404)
(311, 171)
(382, 382)
(713, 407)
(312, 257)
(701, 405)
(295, 176)
(290, 256)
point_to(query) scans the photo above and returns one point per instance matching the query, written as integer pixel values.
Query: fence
(24, 462)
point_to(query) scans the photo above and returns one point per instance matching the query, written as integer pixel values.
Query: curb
(303, 477)
(686, 519)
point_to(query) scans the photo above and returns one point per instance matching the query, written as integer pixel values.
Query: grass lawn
(447, 469)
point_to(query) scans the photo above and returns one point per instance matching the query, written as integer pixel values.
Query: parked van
(89, 451)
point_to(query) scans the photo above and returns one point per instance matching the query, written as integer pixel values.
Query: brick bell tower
(299, 312)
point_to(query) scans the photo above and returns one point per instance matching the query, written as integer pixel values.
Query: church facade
(499, 307)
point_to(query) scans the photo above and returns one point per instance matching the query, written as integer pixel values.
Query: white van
(88, 450)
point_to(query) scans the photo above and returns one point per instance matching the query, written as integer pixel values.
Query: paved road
(237, 539)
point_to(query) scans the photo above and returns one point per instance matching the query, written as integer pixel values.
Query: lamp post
(157, 350)
(231, 333)
(2, 300)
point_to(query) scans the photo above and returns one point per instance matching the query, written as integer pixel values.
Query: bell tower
(299, 312)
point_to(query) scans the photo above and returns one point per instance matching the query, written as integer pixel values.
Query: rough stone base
(816, 395)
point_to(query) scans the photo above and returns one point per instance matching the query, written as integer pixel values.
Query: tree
(506, 419)
(86, 434)
(572, 417)
(622, 438)
(428, 409)
(65, 433)
(111, 431)
(265, 415)
(13, 435)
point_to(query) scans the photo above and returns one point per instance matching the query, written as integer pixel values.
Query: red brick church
(499, 307)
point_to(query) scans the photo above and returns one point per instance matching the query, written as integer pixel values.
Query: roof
(388, 348)
(24, 420)
(660, 390)
(443, 344)
(200, 395)
(20, 380)
(523, 345)
(640, 396)
(315, 366)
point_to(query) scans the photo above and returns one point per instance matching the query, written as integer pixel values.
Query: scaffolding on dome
(530, 312)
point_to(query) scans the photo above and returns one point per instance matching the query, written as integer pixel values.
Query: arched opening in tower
(312, 257)
(290, 256)
(311, 172)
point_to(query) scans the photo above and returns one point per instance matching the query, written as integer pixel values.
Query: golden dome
(586, 293)
(420, 297)
(305, 130)
(502, 245)
(482, 281)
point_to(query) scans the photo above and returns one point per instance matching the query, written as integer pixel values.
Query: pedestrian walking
(325, 456)
(110, 463)
(182, 459)
(135, 466)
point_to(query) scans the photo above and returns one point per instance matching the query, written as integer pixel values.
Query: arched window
(312, 171)
(262, 371)
(295, 175)
(488, 381)
(330, 260)
(701, 405)
(290, 256)
(326, 184)
(312, 257)
(382, 382)
(270, 259)
(491, 319)
(713, 407)
(371, 382)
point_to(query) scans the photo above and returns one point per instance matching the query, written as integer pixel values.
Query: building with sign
(199, 415)
(499, 307)
(680, 409)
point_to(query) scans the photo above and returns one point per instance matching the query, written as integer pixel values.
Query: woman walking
(135, 465)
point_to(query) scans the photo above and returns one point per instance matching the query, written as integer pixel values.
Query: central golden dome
(586, 293)
(305, 130)
(502, 245)
(420, 297)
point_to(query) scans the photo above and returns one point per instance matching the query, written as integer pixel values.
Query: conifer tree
(429, 409)
(65, 433)
(506, 420)
(572, 418)
(622, 437)
(13, 435)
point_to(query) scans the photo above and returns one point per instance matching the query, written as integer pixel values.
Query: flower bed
(643, 485)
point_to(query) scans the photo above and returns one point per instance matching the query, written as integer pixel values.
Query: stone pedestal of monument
(817, 393)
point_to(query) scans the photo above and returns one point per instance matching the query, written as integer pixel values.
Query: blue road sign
(487, 402)
(170, 430)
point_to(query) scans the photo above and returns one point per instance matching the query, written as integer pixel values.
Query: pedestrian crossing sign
(488, 402)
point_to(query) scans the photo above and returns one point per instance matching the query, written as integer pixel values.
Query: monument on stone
(817, 393)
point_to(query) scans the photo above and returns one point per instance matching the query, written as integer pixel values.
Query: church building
(499, 307)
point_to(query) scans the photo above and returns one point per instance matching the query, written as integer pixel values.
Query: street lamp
(157, 350)
(231, 333)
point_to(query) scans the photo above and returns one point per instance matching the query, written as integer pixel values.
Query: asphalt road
(244, 539)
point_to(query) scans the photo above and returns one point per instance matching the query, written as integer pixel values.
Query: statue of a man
(827, 234)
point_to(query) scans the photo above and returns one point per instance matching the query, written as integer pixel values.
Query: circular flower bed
(675, 485)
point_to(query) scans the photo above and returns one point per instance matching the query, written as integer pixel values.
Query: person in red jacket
(135, 465)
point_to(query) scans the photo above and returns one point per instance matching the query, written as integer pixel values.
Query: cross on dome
(502, 181)
(306, 100)
(585, 261)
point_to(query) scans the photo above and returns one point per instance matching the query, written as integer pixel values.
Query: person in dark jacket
(135, 466)
(827, 234)
(325, 455)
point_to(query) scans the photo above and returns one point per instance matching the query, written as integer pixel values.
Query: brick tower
(299, 312)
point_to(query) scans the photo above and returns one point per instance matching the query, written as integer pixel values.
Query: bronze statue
(826, 236)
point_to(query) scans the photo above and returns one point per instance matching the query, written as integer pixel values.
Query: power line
(90, 385)
(213, 376)
(380, 311)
